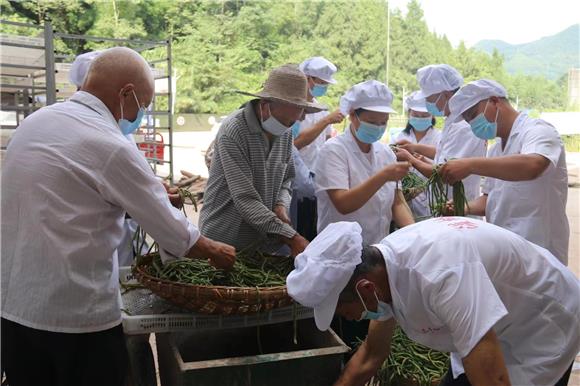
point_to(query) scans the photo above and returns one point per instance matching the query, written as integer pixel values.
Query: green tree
(73, 17)
(220, 46)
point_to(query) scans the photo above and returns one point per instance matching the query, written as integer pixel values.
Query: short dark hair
(371, 258)
(359, 111)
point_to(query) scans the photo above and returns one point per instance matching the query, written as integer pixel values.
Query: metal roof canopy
(33, 74)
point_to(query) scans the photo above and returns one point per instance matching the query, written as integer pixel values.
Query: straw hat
(287, 84)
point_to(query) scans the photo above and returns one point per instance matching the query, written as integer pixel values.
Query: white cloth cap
(319, 68)
(323, 270)
(436, 78)
(472, 93)
(415, 102)
(80, 67)
(371, 95)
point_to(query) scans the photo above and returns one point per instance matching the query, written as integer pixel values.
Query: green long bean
(412, 361)
(438, 191)
(248, 271)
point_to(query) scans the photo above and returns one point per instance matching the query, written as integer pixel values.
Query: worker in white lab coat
(438, 84)
(419, 130)
(310, 133)
(356, 175)
(526, 187)
(506, 309)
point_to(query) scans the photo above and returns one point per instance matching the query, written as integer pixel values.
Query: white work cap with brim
(415, 102)
(320, 68)
(436, 78)
(371, 95)
(80, 67)
(471, 94)
(287, 84)
(324, 269)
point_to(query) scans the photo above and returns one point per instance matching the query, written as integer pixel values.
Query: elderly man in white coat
(127, 248)
(69, 177)
(506, 309)
(438, 84)
(526, 188)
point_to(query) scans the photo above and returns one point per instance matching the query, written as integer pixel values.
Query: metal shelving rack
(34, 74)
(26, 74)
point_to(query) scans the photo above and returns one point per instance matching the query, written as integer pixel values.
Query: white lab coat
(452, 279)
(420, 204)
(73, 176)
(309, 153)
(342, 165)
(458, 141)
(536, 209)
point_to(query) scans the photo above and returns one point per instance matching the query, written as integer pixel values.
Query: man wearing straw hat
(248, 192)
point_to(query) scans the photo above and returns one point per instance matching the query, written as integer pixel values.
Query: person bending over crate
(506, 309)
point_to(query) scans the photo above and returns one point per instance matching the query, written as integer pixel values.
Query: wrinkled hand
(402, 154)
(173, 195)
(419, 157)
(397, 170)
(297, 244)
(449, 209)
(403, 142)
(334, 117)
(218, 254)
(455, 170)
(281, 212)
(410, 147)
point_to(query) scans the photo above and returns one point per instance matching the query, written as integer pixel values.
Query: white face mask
(272, 125)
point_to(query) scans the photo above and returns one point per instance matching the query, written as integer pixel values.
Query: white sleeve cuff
(194, 235)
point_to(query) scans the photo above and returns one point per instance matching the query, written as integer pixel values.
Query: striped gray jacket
(248, 176)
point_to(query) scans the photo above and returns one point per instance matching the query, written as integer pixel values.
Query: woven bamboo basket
(216, 300)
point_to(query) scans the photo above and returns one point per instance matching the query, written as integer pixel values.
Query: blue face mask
(127, 127)
(318, 90)
(369, 133)
(382, 313)
(433, 109)
(482, 128)
(420, 124)
(295, 129)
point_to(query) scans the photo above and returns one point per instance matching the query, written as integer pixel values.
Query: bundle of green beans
(412, 180)
(257, 270)
(438, 193)
(412, 185)
(411, 361)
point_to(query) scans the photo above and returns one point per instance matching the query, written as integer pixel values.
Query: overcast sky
(513, 21)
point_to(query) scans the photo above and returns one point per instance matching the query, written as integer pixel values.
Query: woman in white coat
(419, 130)
(356, 175)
